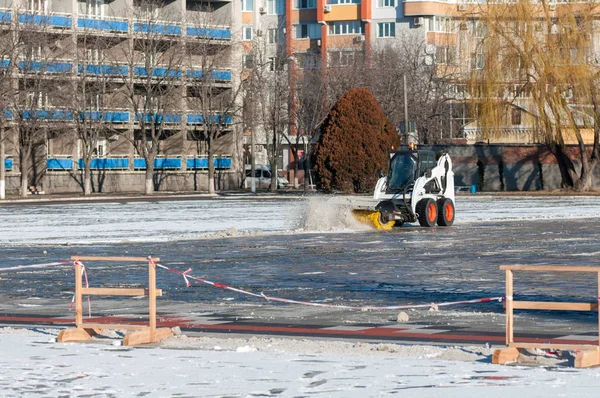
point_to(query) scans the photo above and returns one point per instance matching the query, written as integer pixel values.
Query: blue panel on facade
(5, 63)
(156, 72)
(222, 163)
(110, 117)
(5, 17)
(118, 26)
(8, 164)
(59, 164)
(197, 163)
(197, 118)
(216, 75)
(8, 114)
(221, 34)
(170, 118)
(167, 163)
(139, 163)
(49, 20)
(121, 70)
(202, 163)
(52, 67)
(106, 164)
(156, 28)
(55, 115)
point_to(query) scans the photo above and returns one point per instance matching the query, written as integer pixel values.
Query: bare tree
(33, 59)
(88, 97)
(269, 79)
(209, 90)
(153, 87)
(311, 108)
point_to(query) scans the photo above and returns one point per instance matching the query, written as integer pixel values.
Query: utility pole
(2, 166)
(405, 111)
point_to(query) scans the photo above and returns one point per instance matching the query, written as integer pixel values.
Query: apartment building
(128, 71)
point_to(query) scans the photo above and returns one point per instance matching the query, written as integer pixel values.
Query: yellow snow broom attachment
(373, 218)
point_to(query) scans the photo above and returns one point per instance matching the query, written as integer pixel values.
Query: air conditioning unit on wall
(327, 8)
(419, 21)
(552, 6)
(360, 38)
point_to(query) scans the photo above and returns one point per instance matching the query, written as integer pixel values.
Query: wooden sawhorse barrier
(589, 354)
(145, 334)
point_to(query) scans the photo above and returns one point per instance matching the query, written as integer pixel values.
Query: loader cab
(408, 165)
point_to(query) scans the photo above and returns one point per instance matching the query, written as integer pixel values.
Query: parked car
(262, 177)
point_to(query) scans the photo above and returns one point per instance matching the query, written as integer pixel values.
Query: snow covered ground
(34, 365)
(82, 223)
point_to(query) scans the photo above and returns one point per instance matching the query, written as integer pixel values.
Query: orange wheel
(427, 211)
(446, 216)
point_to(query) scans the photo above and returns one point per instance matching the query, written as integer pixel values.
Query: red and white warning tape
(25, 267)
(186, 275)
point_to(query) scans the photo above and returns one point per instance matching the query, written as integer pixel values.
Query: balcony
(121, 162)
(197, 118)
(90, 69)
(109, 163)
(8, 164)
(169, 118)
(51, 19)
(59, 164)
(104, 24)
(208, 33)
(215, 75)
(223, 162)
(50, 67)
(161, 29)
(117, 116)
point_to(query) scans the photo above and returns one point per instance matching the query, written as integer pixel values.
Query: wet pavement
(408, 265)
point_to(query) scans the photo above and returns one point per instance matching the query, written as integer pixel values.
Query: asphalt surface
(408, 265)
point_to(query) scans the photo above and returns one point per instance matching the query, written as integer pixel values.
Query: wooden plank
(73, 335)
(556, 346)
(543, 305)
(104, 258)
(586, 359)
(108, 291)
(113, 326)
(553, 268)
(505, 355)
(145, 337)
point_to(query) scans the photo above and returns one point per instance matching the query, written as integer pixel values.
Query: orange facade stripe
(348, 12)
(447, 39)
(247, 18)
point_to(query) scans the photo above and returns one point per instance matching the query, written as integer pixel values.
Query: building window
(149, 11)
(442, 24)
(343, 58)
(300, 4)
(343, 2)
(247, 33)
(273, 36)
(37, 6)
(477, 61)
(516, 116)
(308, 31)
(307, 60)
(386, 29)
(275, 7)
(247, 5)
(445, 55)
(248, 61)
(386, 3)
(94, 8)
(477, 29)
(345, 28)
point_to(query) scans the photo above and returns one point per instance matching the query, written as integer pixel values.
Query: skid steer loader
(416, 188)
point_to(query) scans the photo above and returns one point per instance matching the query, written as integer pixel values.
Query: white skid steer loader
(416, 188)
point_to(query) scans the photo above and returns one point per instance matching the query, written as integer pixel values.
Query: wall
(523, 168)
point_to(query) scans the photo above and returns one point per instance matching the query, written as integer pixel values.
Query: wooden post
(598, 310)
(509, 307)
(152, 296)
(78, 295)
